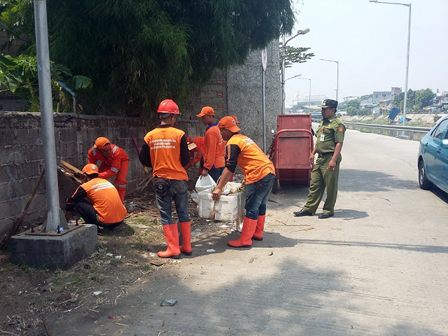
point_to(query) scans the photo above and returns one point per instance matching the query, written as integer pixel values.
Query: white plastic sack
(205, 183)
(232, 188)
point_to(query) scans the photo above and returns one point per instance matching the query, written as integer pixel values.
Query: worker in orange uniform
(196, 153)
(259, 174)
(166, 151)
(114, 162)
(213, 159)
(97, 200)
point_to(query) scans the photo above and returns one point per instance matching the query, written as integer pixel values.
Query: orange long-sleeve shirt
(111, 166)
(196, 153)
(213, 148)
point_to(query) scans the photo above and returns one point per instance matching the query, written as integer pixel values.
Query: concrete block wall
(238, 91)
(22, 157)
(244, 87)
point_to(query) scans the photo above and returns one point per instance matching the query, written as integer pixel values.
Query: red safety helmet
(168, 106)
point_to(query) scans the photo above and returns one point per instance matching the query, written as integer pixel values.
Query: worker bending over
(259, 174)
(113, 162)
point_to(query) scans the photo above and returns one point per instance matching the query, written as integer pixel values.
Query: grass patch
(417, 124)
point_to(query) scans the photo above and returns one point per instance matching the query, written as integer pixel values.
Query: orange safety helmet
(101, 143)
(90, 169)
(168, 106)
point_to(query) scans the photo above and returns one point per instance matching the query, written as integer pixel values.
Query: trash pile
(230, 206)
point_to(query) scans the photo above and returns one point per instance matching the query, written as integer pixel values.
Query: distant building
(441, 99)
(379, 96)
(384, 104)
(395, 91)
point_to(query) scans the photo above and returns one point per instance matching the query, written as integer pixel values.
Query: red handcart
(291, 150)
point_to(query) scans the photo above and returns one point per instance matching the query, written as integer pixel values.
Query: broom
(21, 217)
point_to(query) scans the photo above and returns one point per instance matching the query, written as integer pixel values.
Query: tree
(424, 98)
(355, 103)
(364, 112)
(416, 99)
(139, 52)
(295, 55)
(365, 97)
(351, 111)
(19, 75)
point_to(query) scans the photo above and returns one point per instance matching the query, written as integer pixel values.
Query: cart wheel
(275, 186)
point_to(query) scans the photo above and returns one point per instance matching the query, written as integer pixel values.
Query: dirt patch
(125, 258)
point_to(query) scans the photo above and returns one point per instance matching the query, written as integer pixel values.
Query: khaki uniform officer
(330, 136)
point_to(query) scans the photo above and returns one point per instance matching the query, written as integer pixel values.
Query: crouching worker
(166, 151)
(259, 174)
(97, 200)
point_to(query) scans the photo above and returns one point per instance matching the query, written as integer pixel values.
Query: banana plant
(19, 75)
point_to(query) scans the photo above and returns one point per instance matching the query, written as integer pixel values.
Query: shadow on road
(372, 181)
(407, 247)
(352, 180)
(217, 243)
(350, 214)
(443, 196)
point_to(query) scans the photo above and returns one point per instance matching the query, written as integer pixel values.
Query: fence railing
(404, 132)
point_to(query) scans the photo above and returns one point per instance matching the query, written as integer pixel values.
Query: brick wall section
(22, 156)
(214, 95)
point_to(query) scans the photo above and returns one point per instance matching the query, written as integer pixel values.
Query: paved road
(379, 267)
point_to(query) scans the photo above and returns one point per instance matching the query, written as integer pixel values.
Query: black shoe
(302, 213)
(325, 215)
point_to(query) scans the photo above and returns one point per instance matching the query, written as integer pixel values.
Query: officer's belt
(324, 154)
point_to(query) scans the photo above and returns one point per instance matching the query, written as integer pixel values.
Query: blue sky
(370, 42)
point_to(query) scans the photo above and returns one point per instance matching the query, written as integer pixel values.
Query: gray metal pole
(407, 69)
(337, 82)
(54, 215)
(283, 75)
(407, 54)
(309, 97)
(263, 80)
